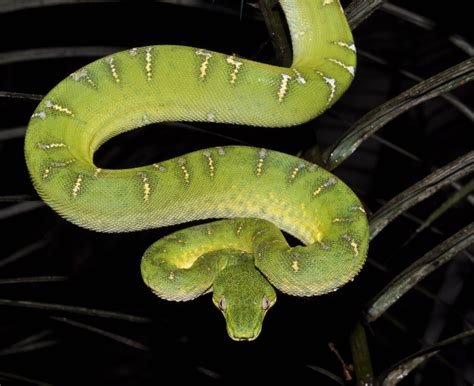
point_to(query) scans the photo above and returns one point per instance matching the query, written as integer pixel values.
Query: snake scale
(258, 192)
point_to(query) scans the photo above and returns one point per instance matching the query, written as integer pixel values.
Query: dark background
(188, 341)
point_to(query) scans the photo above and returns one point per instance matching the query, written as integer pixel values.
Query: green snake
(258, 192)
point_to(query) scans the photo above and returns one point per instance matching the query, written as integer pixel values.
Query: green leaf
(361, 356)
(400, 370)
(449, 203)
(276, 27)
(443, 82)
(420, 191)
(118, 338)
(74, 310)
(359, 10)
(421, 268)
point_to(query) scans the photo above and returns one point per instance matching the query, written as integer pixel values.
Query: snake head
(244, 296)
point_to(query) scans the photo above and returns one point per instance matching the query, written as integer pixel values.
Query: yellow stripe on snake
(259, 192)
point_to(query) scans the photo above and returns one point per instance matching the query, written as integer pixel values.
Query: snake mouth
(244, 339)
(246, 336)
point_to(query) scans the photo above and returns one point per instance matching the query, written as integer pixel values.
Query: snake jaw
(244, 338)
(242, 331)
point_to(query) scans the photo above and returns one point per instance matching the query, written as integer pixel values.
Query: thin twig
(18, 198)
(346, 369)
(327, 374)
(118, 338)
(20, 95)
(22, 207)
(7, 376)
(33, 279)
(12, 133)
(74, 310)
(25, 251)
(27, 55)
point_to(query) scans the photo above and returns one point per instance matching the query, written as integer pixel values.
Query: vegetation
(401, 138)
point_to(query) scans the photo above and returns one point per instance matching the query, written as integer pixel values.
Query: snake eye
(222, 303)
(266, 303)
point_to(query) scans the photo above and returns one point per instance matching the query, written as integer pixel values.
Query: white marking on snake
(159, 167)
(133, 51)
(262, 155)
(182, 164)
(148, 66)
(145, 119)
(82, 74)
(257, 234)
(354, 245)
(331, 82)
(296, 171)
(299, 77)
(236, 68)
(146, 186)
(40, 114)
(349, 69)
(342, 220)
(56, 107)
(211, 117)
(299, 34)
(171, 275)
(357, 208)
(349, 46)
(204, 64)
(327, 184)
(328, 2)
(46, 172)
(97, 172)
(283, 90)
(54, 165)
(77, 185)
(325, 247)
(50, 146)
(110, 61)
(295, 266)
(210, 163)
(220, 151)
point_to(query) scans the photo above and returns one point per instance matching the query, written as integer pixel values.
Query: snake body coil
(259, 190)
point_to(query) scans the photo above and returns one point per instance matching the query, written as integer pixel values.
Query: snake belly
(263, 191)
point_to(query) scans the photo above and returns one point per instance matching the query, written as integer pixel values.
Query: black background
(188, 341)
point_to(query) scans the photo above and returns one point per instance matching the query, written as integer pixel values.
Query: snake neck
(318, 28)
